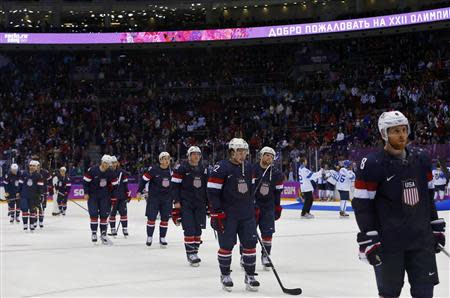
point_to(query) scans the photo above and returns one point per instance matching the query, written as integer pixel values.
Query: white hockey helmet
(391, 119)
(14, 167)
(237, 143)
(63, 169)
(34, 163)
(113, 158)
(268, 150)
(193, 149)
(106, 158)
(163, 154)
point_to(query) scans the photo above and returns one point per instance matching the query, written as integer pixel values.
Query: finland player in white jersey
(321, 177)
(331, 182)
(344, 184)
(439, 181)
(306, 187)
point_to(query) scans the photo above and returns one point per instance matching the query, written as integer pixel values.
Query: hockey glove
(369, 247)
(257, 214)
(438, 227)
(218, 221)
(278, 210)
(176, 216)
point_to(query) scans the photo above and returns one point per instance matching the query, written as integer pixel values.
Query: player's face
(194, 157)
(14, 171)
(267, 158)
(104, 165)
(398, 137)
(33, 168)
(240, 155)
(115, 164)
(62, 172)
(164, 162)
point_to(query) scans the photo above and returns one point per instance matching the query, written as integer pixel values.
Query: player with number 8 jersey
(395, 211)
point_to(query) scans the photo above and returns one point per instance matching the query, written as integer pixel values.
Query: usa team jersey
(269, 190)
(63, 185)
(121, 190)
(31, 185)
(305, 176)
(394, 197)
(345, 180)
(189, 184)
(158, 180)
(230, 190)
(99, 184)
(11, 184)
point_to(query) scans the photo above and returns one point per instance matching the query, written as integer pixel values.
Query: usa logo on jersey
(410, 193)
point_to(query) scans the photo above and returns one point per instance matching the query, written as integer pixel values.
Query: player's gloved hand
(176, 216)
(113, 202)
(369, 247)
(438, 227)
(128, 196)
(278, 210)
(218, 220)
(257, 214)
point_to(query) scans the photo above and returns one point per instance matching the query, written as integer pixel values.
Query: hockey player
(11, 182)
(231, 198)
(306, 187)
(98, 184)
(123, 196)
(322, 176)
(269, 185)
(62, 189)
(159, 199)
(439, 181)
(333, 177)
(344, 184)
(31, 187)
(395, 211)
(189, 195)
(46, 191)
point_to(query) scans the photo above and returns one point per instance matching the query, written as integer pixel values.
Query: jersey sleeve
(6, 184)
(278, 187)
(333, 178)
(366, 184)
(215, 184)
(175, 182)
(87, 179)
(146, 177)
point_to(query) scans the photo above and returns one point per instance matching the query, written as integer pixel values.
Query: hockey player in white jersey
(439, 181)
(344, 184)
(321, 177)
(331, 182)
(306, 187)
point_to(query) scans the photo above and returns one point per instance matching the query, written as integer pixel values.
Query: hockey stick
(295, 291)
(444, 250)
(77, 204)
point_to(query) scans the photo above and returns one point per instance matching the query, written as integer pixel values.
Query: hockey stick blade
(444, 250)
(295, 291)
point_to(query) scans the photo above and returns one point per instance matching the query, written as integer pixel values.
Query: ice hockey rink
(319, 255)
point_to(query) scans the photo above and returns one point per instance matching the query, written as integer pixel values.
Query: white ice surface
(319, 255)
